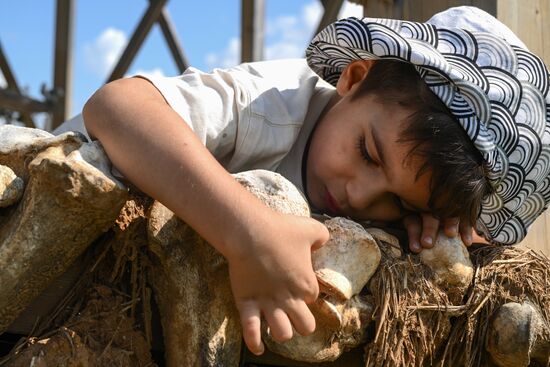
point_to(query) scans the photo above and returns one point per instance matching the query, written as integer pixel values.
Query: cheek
(323, 159)
(384, 210)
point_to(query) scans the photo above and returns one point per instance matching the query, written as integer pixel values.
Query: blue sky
(208, 30)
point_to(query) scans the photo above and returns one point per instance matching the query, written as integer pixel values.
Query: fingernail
(427, 240)
(454, 230)
(468, 239)
(415, 246)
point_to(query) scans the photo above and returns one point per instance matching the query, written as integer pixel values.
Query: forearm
(156, 150)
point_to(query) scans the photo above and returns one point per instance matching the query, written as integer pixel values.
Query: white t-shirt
(252, 116)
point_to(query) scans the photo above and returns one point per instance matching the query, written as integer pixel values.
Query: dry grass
(418, 325)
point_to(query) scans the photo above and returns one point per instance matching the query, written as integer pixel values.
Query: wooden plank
(530, 20)
(414, 10)
(174, 44)
(252, 30)
(149, 18)
(26, 117)
(14, 101)
(490, 6)
(63, 65)
(383, 9)
(544, 8)
(537, 238)
(330, 14)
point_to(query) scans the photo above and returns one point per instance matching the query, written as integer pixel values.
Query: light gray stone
(450, 261)
(67, 204)
(343, 267)
(200, 322)
(518, 336)
(348, 260)
(11, 187)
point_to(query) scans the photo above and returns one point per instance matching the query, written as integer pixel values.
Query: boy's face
(356, 167)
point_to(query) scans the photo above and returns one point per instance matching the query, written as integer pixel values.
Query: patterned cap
(497, 90)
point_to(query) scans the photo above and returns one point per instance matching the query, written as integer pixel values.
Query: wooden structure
(57, 101)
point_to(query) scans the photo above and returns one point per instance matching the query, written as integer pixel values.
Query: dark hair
(458, 182)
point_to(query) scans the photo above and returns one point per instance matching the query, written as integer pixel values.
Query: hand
(422, 230)
(272, 276)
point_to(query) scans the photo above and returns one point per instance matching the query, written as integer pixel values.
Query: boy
(438, 130)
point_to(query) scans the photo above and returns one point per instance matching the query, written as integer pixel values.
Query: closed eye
(363, 150)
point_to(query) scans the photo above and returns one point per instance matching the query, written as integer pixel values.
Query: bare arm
(269, 254)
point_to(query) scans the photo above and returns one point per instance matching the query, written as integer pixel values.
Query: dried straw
(417, 324)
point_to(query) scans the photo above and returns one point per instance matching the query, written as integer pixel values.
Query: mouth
(331, 203)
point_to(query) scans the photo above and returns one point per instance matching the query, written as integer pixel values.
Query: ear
(352, 75)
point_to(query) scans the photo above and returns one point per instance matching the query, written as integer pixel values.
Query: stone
(11, 187)
(343, 267)
(347, 261)
(326, 343)
(68, 202)
(385, 239)
(450, 261)
(275, 191)
(518, 336)
(200, 322)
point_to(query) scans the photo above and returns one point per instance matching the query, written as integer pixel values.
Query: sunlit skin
(356, 167)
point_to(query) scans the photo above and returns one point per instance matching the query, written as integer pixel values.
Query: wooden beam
(332, 8)
(6, 71)
(149, 18)
(252, 30)
(14, 101)
(530, 20)
(12, 85)
(170, 35)
(63, 66)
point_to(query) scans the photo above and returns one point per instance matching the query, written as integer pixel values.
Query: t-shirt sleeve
(248, 116)
(208, 103)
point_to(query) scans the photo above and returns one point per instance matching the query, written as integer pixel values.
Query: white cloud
(230, 56)
(351, 10)
(286, 36)
(156, 72)
(311, 14)
(102, 54)
(3, 82)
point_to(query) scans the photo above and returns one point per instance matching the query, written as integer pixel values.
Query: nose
(371, 200)
(361, 194)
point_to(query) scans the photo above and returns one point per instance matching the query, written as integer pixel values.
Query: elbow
(94, 111)
(112, 110)
(100, 111)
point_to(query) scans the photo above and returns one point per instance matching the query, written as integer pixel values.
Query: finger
(322, 235)
(310, 291)
(301, 317)
(466, 233)
(450, 226)
(430, 225)
(251, 323)
(279, 324)
(414, 229)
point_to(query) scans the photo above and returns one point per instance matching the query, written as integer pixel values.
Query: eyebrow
(379, 146)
